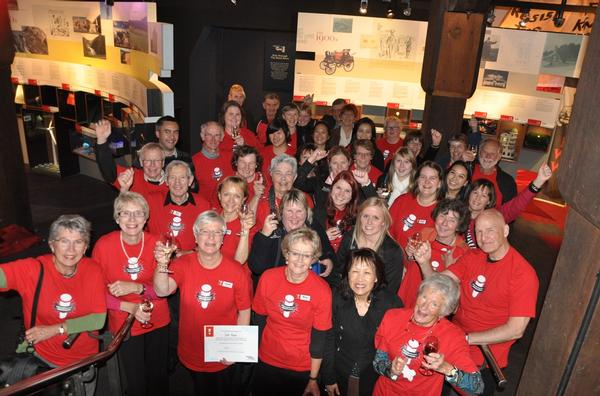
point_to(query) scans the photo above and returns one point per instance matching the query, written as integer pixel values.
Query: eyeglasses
(206, 233)
(138, 214)
(363, 155)
(65, 243)
(299, 255)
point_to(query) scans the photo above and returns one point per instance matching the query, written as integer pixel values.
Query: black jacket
(506, 184)
(389, 251)
(266, 250)
(351, 340)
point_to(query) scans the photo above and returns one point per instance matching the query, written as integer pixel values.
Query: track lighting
(363, 6)
(524, 17)
(490, 17)
(407, 10)
(559, 18)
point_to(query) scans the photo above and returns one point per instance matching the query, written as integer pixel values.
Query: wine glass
(341, 226)
(261, 179)
(147, 306)
(432, 344)
(473, 149)
(414, 241)
(169, 242)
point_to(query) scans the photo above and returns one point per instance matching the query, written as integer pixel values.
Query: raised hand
(361, 177)
(436, 137)
(270, 225)
(103, 130)
(543, 175)
(125, 179)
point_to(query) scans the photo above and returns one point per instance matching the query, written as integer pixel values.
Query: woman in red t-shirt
(278, 142)
(232, 120)
(290, 113)
(292, 306)
(418, 348)
(214, 290)
(71, 298)
(451, 219)
(363, 153)
(127, 261)
(412, 212)
(339, 213)
(247, 163)
(233, 195)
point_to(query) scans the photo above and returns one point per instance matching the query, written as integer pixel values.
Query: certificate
(232, 343)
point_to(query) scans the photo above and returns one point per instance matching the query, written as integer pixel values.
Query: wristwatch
(452, 374)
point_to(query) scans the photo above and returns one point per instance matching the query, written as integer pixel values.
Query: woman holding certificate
(293, 309)
(215, 290)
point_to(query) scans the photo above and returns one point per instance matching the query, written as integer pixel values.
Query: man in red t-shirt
(490, 153)
(498, 290)
(211, 164)
(391, 140)
(176, 210)
(270, 105)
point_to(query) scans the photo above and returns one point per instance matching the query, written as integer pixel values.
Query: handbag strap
(36, 296)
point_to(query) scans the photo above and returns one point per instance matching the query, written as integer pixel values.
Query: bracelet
(141, 293)
(533, 188)
(312, 378)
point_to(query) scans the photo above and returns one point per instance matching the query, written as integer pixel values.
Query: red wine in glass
(147, 306)
(432, 345)
(414, 241)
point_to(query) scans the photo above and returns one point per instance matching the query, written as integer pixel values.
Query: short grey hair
(150, 146)
(491, 140)
(304, 234)
(445, 285)
(130, 197)
(284, 159)
(175, 163)
(206, 217)
(204, 127)
(71, 222)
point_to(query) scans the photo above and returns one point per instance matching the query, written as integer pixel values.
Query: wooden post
(563, 356)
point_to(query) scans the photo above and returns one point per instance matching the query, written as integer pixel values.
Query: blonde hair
(403, 152)
(357, 234)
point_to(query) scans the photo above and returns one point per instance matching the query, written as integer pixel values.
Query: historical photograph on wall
(121, 34)
(491, 46)
(94, 47)
(82, 24)
(495, 78)
(31, 40)
(561, 53)
(135, 16)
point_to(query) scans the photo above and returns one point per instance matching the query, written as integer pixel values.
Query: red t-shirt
(249, 140)
(477, 174)
(393, 336)
(60, 299)
(209, 172)
(374, 173)
(413, 277)
(208, 297)
(140, 185)
(261, 131)
(510, 289)
(231, 239)
(164, 216)
(113, 261)
(409, 217)
(292, 310)
(388, 149)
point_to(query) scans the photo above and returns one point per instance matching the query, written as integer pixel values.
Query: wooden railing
(44, 379)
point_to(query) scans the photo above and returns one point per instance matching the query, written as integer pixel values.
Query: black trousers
(220, 383)
(271, 381)
(144, 362)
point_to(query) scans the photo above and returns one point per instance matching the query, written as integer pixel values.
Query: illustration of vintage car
(335, 59)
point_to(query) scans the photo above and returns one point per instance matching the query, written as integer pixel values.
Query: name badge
(304, 297)
(176, 213)
(226, 284)
(420, 221)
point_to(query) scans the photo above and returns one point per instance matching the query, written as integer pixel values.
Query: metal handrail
(38, 381)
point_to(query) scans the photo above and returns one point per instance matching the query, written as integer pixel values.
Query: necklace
(125, 251)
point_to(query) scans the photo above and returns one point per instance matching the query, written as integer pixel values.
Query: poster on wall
(278, 69)
(368, 60)
(561, 55)
(495, 78)
(131, 19)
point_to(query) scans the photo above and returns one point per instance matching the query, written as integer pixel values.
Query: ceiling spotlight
(407, 10)
(363, 6)
(490, 17)
(524, 17)
(559, 18)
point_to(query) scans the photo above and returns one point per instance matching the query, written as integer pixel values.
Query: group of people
(370, 265)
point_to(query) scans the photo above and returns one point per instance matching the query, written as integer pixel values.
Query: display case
(537, 138)
(510, 134)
